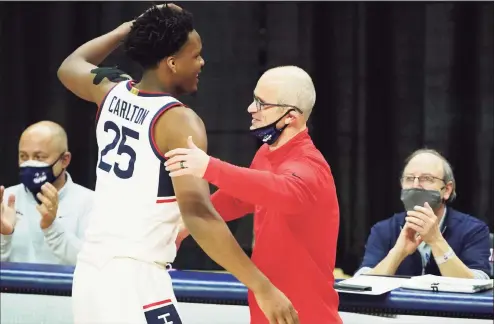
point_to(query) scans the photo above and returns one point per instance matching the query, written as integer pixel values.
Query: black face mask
(34, 174)
(270, 133)
(418, 196)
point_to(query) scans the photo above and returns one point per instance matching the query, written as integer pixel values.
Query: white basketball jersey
(135, 213)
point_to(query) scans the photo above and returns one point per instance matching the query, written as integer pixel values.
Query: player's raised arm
(205, 224)
(78, 71)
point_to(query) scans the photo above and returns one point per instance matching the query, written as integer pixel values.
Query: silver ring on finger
(182, 165)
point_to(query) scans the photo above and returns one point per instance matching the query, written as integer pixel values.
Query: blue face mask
(34, 174)
(270, 133)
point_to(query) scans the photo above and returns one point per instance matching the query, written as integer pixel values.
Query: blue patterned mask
(270, 133)
(34, 174)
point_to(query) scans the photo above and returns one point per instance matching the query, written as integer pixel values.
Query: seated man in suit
(430, 237)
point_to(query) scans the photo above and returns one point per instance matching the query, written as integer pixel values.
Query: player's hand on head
(276, 306)
(170, 5)
(8, 217)
(187, 161)
(48, 206)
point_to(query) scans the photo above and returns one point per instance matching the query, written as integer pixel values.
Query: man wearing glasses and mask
(291, 191)
(43, 218)
(430, 237)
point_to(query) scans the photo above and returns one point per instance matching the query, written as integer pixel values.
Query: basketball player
(120, 275)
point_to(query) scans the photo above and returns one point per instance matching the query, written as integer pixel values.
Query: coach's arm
(193, 196)
(290, 189)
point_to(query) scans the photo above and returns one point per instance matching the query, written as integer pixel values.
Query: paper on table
(447, 284)
(379, 285)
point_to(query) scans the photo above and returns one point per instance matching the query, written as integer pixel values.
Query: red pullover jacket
(296, 222)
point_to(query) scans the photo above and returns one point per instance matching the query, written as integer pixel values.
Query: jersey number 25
(120, 138)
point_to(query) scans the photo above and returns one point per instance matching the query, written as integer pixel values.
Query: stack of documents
(369, 285)
(447, 284)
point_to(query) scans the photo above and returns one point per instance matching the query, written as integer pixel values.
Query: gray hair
(296, 87)
(448, 173)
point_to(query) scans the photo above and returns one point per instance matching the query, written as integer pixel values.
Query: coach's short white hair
(296, 87)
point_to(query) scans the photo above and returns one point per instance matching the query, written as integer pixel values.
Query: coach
(289, 188)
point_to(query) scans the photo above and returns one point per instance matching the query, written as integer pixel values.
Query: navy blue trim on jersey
(165, 185)
(151, 136)
(142, 93)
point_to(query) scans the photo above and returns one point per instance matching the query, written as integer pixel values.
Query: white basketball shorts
(123, 291)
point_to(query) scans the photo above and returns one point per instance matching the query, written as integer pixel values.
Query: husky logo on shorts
(162, 312)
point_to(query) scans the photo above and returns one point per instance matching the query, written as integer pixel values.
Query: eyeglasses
(264, 105)
(422, 179)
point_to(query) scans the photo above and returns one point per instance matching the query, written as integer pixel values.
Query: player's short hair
(448, 173)
(160, 32)
(297, 88)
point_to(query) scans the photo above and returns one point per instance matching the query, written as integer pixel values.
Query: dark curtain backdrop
(390, 78)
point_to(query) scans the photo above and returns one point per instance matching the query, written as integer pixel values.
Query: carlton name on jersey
(135, 213)
(127, 111)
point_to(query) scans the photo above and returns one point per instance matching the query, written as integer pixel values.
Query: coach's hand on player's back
(276, 306)
(48, 206)
(8, 216)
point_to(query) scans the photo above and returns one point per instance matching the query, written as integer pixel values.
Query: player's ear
(171, 63)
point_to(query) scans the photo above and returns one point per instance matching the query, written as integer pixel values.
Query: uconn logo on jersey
(162, 312)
